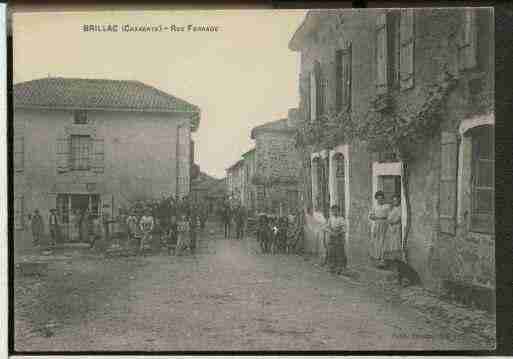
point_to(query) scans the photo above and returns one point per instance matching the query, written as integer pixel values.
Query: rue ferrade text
(149, 28)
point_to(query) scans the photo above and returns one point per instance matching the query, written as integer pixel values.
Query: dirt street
(227, 297)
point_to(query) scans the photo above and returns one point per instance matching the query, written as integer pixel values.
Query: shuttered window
(467, 49)
(305, 95)
(319, 95)
(448, 182)
(407, 38)
(340, 177)
(381, 54)
(63, 154)
(80, 118)
(80, 152)
(343, 78)
(19, 153)
(482, 182)
(19, 212)
(393, 48)
(98, 158)
(313, 95)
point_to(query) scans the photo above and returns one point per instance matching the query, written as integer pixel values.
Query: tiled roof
(76, 93)
(274, 126)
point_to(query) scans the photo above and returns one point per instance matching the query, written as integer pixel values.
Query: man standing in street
(54, 227)
(37, 227)
(336, 228)
(226, 216)
(240, 220)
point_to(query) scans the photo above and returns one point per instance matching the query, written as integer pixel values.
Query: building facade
(249, 193)
(402, 101)
(95, 144)
(277, 166)
(234, 181)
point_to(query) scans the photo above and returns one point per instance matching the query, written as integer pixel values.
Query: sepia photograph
(254, 180)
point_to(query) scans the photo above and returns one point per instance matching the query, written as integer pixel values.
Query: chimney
(293, 118)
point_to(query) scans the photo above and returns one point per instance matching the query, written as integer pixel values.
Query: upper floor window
(343, 78)
(388, 51)
(80, 118)
(467, 44)
(80, 152)
(407, 42)
(482, 180)
(318, 86)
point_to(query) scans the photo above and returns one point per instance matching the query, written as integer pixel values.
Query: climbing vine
(389, 127)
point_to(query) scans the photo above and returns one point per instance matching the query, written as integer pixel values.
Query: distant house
(277, 167)
(402, 101)
(92, 143)
(249, 193)
(234, 181)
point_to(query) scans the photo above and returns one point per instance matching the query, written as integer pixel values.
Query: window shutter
(348, 66)
(407, 49)
(19, 153)
(63, 154)
(306, 91)
(313, 95)
(448, 182)
(381, 54)
(98, 155)
(331, 90)
(468, 41)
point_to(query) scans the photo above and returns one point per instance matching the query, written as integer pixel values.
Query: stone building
(249, 193)
(95, 143)
(402, 101)
(234, 181)
(277, 167)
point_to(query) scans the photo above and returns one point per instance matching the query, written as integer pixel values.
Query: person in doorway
(378, 217)
(336, 231)
(83, 225)
(393, 248)
(37, 226)
(73, 226)
(183, 236)
(146, 225)
(54, 227)
(172, 237)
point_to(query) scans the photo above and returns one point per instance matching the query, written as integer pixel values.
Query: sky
(240, 77)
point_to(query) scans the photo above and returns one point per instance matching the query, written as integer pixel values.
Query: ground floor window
(482, 179)
(76, 203)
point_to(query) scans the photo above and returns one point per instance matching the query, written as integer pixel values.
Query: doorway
(70, 205)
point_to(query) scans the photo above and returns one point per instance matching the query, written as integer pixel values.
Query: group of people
(233, 216)
(386, 245)
(277, 234)
(175, 222)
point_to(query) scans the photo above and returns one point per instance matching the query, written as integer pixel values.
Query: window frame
(77, 159)
(476, 187)
(80, 117)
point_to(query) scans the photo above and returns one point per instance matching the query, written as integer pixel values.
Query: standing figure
(106, 224)
(98, 229)
(132, 224)
(240, 221)
(203, 216)
(37, 226)
(54, 227)
(84, 226)
(378, 217)
(73, 226)
(183, 236)
(193, 227)
(226, 217)
(336, 231)
(264, 234)
(146, 224)
(172, 237)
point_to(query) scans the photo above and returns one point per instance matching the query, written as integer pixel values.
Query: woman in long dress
(393, 243)
(74, 226)
(378, 217)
